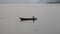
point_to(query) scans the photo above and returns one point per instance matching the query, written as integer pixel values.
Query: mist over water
(29, 1)
(48, 19)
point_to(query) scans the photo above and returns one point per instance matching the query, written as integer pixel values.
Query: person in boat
(33, 17)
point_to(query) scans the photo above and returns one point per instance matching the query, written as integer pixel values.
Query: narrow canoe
(28, 18)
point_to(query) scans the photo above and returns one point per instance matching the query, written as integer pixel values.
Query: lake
(48, 19)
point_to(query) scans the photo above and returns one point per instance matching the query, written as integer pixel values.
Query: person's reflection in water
(35, 29)
(2, 18)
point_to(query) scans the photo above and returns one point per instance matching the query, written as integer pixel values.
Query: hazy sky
(28, 1)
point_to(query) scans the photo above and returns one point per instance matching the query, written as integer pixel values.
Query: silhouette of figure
(33, 17)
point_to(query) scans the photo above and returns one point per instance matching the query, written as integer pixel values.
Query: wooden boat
(28, 18)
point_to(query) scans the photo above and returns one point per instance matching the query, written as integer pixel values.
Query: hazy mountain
(28, 1)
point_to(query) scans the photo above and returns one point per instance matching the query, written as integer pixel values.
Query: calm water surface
(48, 19)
